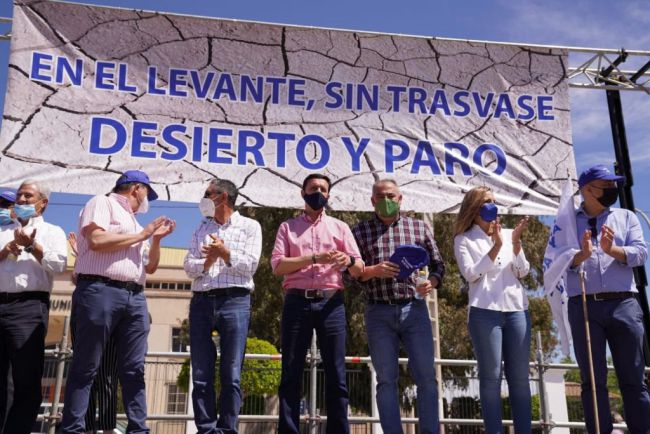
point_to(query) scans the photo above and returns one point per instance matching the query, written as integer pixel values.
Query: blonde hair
(469, 208)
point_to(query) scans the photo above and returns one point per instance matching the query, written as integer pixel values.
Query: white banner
(95, 91)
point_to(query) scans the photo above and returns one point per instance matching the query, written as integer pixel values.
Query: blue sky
(593, 23)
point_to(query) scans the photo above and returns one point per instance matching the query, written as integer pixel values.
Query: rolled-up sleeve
(194, 260)
(281, 246)
(636, 249)
(349, 244)
(520, 265)
(470, 269)
(436, 264)
(55, 251)
(245, 258)
(96, 211)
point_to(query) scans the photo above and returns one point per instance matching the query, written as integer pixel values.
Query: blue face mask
(316, 200)
(25, 212)
(489, 212)
(5, 217)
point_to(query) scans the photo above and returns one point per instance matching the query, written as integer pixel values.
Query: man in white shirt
(222, 259)
(32, 252)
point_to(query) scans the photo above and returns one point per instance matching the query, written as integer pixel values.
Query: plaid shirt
(378, 241)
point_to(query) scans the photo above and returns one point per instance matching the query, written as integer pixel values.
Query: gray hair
(223, 185)
(43, 189)
(385, 181)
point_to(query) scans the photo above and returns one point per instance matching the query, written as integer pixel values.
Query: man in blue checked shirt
(612, 244)
(222, 259)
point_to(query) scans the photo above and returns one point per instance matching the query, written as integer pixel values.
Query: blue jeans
(299, 317)
(100, 311)
(619, 323)
(387, 326)
(230, 316)
(502, 336)
(23, 326)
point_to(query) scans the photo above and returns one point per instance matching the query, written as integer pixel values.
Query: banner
(95, 91)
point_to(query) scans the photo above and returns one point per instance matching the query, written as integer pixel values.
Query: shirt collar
(378, 220)
(37, 220)
(477, 231)
(234, 217)
(581, 211)
(310, 221)
(123, 201)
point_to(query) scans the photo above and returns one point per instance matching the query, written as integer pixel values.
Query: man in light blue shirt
(612, 244)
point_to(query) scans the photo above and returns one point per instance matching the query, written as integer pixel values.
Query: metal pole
(374, 410)
(189, 425)
(313, 364)
(624, 168)
(61, 356)
(543, 404)
(589, 355)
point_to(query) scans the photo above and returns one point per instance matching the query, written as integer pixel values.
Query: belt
(313, 294)
(221, 292)
(601, 296)
(395, 301)
(8, 297)
(129, 286)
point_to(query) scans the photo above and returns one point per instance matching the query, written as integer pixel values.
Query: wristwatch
(352, 261)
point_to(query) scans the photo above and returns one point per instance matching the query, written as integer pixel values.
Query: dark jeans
(299, 317)
(229, 315)
(23, 325)
(100, 311)
(102, 405)
(619, 323)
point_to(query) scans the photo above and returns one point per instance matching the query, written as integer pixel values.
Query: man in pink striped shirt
(114, 255)
(311, 251)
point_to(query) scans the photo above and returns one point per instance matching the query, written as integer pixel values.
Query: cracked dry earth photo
(339, 102)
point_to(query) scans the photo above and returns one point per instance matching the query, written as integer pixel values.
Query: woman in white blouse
(492, 261)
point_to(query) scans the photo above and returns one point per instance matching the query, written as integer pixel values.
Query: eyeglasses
(592, 227)
(209, 194)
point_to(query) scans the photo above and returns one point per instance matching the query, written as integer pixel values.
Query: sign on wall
(95, 91)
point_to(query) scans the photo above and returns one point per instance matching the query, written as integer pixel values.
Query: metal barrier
(312, 419)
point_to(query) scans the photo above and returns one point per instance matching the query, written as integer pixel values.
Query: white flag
(562, 247)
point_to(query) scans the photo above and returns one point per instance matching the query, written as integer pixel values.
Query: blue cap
(596, 172)
(409, 257)
(137, 176)
(8, 195)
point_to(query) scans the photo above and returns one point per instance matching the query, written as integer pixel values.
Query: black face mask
(316, 201)
(609, 196)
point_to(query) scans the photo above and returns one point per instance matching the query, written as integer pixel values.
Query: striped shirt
(113, 214)
(301, 236)
(243, 236)
(378, 241)
(24, 273)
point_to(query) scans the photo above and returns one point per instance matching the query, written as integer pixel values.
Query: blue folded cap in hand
(409, 257)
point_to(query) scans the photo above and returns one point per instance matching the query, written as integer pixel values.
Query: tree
(259, 377)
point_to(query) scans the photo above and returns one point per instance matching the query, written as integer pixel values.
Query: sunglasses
(592, 227)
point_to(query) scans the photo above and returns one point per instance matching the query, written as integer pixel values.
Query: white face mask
(206, 206)
(144, 206)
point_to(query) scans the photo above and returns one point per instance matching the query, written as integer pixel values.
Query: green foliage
(455, 342)
(259, 377)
